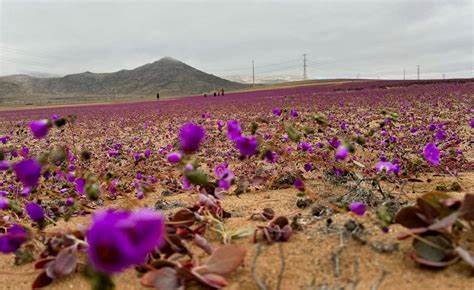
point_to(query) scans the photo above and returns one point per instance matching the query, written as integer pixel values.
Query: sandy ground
(308, 255)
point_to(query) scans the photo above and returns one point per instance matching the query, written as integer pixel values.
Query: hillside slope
(168, 76)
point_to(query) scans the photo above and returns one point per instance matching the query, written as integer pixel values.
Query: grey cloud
(341, 38)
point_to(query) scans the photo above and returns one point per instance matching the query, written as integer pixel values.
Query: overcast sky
(341, 38)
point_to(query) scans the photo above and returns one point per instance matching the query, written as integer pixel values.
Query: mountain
(167, 76)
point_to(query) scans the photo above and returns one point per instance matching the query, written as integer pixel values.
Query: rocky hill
(168, 76)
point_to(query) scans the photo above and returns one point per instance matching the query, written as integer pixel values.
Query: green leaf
(98, 280)
(433, 247)
(196, 177)
(293, 134)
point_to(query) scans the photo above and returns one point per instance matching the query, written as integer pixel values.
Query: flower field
(357, 185)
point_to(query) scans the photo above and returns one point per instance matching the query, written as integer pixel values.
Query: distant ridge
(168, 76)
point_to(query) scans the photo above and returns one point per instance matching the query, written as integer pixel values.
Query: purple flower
(69, 201)
(388, 167)
(190, 137)
(233, 130)
(39, 128)
(147, 153)
(471, 123)
(440, 135)
(4, 165)
(28, 172)
(130, 237)
(358, 208)
(224, 184)
(246, 145)
(277, 112)
(431, 153)
(432, 127)
(342, 152)
(308, 167)
(80, 185)
(220, 125)
(299, 184)
(294, 113)
(12, 240)
(186, 184)
(174, 157)
(334, 142)
(305, 146)
(4, 139)
(136, 156)
(24, 152)
(4, 203)
(35, 211)
(221, 170)
(271, 156)
(113, 153)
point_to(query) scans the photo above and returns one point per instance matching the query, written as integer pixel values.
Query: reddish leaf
(445, 223)
(148, 279)
(64, 264)
(465, 255)
(408, 217)
(224, 260)
(166, 279)
(467, 208)
(215, 280)
(42, 280)
(268, 213)
(42, 263)
(184, 217)
(281, 221)
(203, 244)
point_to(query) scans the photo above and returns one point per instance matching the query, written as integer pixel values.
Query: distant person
(205, 95)
(158, 96)
(215, 94)
(222, 91)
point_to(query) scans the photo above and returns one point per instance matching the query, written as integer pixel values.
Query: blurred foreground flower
(233, 130)
(246, 145)
(174, 157)
(120, 239)
(40, 128)
(12, 240)
(190, 137)
(35, 212)
(341, 152)
(28, 172)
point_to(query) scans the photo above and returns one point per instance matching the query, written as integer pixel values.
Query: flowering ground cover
(361, 185)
